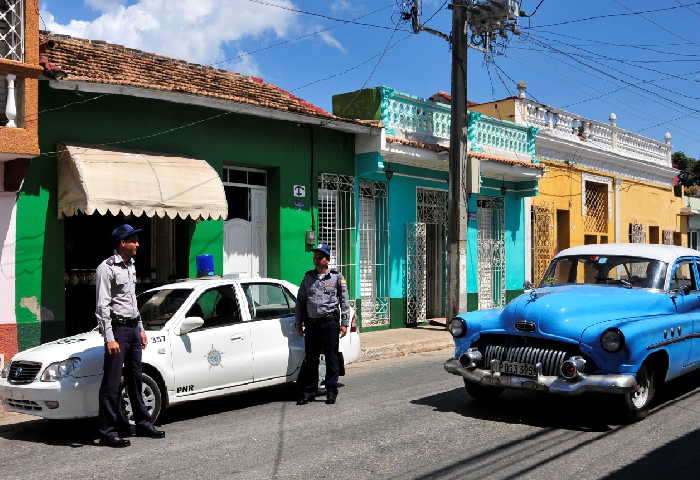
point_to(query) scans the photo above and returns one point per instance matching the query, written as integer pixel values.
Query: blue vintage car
(615, 318)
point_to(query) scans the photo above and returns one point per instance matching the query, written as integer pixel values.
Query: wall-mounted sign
(299, 191)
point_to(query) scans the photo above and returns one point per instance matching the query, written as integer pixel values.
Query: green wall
(284, 149)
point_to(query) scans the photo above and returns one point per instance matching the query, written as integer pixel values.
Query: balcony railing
(12, 30)
(567, 125)
(9, 89)
(414, 118)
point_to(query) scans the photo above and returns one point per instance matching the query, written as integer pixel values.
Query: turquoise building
(396, 208)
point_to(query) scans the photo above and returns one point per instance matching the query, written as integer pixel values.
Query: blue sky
(649, 77)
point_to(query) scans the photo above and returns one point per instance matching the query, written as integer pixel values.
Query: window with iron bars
(12, 30)
(637, 233)
(596, 207)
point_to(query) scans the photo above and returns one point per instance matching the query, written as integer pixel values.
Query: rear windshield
(158, 306)
(615, 270)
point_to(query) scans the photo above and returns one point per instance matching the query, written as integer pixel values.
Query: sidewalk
(399, 342)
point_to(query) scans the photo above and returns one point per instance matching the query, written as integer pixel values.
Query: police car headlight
(59, 370)
(612, 340)
(457, 327)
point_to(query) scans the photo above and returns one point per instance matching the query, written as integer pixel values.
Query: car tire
(482, 393)
(637, 404)
(152, 397)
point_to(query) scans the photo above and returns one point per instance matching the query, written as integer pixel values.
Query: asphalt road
(396, 419)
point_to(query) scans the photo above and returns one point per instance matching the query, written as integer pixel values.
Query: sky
(643, 67)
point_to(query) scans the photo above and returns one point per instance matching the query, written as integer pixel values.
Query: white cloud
(330, 40)
(193, 30)
(246, 65)
(341, 5)
(104, 5)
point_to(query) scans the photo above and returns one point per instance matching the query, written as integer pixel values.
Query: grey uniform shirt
(115, 282)
(320, 294)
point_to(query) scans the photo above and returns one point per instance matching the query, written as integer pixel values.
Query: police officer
(120, 323)
(321, 291)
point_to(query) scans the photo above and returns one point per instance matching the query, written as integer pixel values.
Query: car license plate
(517, 369)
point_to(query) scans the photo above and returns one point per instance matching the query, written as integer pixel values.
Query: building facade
(19, 70)
(205, 161)
(602, 184)
(401, 207)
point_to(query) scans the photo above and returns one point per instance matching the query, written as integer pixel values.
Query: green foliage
(689, 169)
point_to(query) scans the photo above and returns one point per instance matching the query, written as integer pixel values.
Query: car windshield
(158, 306)
(617, 270)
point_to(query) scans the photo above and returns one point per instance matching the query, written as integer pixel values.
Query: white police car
(207, 337)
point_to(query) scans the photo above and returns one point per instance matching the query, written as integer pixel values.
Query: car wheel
(482, 392)
(152, 398)
(636, 404)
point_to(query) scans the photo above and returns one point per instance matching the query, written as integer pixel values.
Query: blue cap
(124, 231)
(324, 248)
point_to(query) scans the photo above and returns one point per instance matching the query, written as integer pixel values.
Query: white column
(618, 220)
(11, 107)
(527, 208)
(7, 256)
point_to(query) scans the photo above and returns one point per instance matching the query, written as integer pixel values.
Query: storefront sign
(299, 191)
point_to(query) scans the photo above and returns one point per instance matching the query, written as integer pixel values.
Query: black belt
(121, 320)
(330, 315)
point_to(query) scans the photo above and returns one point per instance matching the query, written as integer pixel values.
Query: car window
(616, 270)
(268, 300)
(158, 306)
(683, 274)
(217, 307)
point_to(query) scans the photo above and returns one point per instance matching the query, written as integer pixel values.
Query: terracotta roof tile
(97, 61)
(433, 147)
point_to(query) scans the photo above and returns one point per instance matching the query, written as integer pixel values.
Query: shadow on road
(66, 433)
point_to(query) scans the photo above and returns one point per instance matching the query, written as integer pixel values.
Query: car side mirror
(189, 324)
(684, 289)
(527, 285)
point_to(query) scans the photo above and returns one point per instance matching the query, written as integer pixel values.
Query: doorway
(563, 230)
(245, 228)
(491, 253)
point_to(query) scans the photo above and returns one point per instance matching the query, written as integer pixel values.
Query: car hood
(566, 311)
(89, 347)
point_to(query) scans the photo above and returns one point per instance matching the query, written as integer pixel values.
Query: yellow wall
(502, 110)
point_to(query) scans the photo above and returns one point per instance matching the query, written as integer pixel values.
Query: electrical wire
(612, 15)
(324, 16)
(658, 25)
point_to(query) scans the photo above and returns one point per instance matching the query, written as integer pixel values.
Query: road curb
(401, 350)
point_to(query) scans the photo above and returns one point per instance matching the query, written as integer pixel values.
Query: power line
(658, 25)
(689, 9)
(612, 15)
(321, 15)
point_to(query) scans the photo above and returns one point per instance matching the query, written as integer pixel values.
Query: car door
(677, 329)
(278, 349)
(219, 353)
(692, 302)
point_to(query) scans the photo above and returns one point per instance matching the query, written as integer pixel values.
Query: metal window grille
(431, 208)
(542, 239)
(12, 30)
(637, 233)
(596, 211)
(374, 254)
(668, 237)
(336, 221)
(491, 253)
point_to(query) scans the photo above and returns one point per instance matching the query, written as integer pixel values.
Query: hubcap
(149, 399)
(641, 395)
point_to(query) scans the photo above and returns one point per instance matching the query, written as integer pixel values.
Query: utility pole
(489, 22)
(460, 182)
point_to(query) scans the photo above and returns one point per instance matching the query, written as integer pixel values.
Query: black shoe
(114, 442)
(149, 432)
(330, 400)
(302, 401)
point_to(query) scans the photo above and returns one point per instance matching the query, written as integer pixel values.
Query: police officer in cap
(120, 323)
(317, 318)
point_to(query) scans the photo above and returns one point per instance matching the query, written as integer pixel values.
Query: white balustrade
(570, 126)
(11, 102)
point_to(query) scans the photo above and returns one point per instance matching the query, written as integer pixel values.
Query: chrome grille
(22, 372)
(550, 358)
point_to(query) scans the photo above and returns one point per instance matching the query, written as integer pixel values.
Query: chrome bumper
(552, 384)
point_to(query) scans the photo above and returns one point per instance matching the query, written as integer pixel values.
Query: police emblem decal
(214, 357)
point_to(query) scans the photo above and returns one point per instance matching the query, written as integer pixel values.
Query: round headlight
(457, 327)
(612, 340)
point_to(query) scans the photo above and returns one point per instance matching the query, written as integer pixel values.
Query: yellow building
(602, 184)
